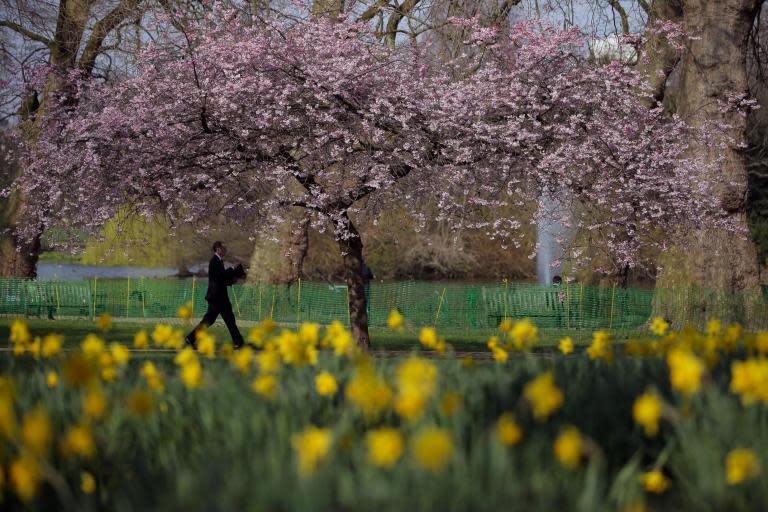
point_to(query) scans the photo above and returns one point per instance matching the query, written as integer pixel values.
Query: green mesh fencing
(444, 305)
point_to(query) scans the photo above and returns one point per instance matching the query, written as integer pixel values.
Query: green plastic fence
(445, 305)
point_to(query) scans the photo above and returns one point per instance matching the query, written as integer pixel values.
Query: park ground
(383, 340)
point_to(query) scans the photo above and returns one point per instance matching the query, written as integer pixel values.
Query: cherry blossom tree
(251, 119)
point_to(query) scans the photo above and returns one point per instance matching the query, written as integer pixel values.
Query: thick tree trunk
(719, 267)
(351, 246)
(18, 257)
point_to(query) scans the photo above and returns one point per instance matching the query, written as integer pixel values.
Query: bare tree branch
(101, 30)
(619, 9)
(26, 33)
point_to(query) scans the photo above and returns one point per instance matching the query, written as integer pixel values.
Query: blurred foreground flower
(543, 395)
(104, 322)
(646, 411)
(325, 384)
(508, 431)
(741, 464)
(395, 320)
(25, 476)
(566, 345)
(654, 481)
(311, 447)
(185, 311)
(87, 482)
(432, 449)
(265, 385)
(36, 431)
(749, 379)
(685, 370)
(569, 447)
(385, 447)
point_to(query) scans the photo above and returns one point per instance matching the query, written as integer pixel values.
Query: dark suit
(218, 300)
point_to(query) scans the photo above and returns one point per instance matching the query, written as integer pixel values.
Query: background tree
(238, 114)
(67, 36)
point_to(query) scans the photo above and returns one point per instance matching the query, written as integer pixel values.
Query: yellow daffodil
(508, 431)
(192, 374)
(312, 447)
(432, 449)
(94, 404)
(749, 379)
(659, 326)
(120, 353)
(601, 347)
(87, 482)
(395, 320)
(104, 322)
(325, 384)
(523, 334)
(740, 465)
(646, 411)
(368, 392)
(265, 385)
(385, 447)
(141, 340)
(242, 359)
(78, 441)
(569, 447)
(185, 311)
(654, 481)
(52, 344)
(36, 431)
(685, 370)
(543, 395)
(25, 476)
(92, 346)
(20, 332)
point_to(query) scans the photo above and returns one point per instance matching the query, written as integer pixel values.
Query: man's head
(219, 248)
(557, 281)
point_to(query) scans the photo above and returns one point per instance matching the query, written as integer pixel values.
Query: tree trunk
(718, 269)
(18, 256)
(351, 246)
(298, 245)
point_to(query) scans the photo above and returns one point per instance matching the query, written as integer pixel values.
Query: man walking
(219, 278)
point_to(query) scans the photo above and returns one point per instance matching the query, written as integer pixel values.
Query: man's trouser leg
(229, 318)
(208, 319)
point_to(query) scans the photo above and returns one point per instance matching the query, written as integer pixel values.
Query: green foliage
(58, 257)
(131, 240)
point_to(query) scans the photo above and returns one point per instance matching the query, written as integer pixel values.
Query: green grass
(58, 257)
(381, 339)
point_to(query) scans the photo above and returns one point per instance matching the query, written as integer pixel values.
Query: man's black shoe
(189, 342)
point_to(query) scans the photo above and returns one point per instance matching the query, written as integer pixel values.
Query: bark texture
(351, 246)
(721, 262)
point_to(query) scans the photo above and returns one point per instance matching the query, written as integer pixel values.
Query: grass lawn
(462, 340)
